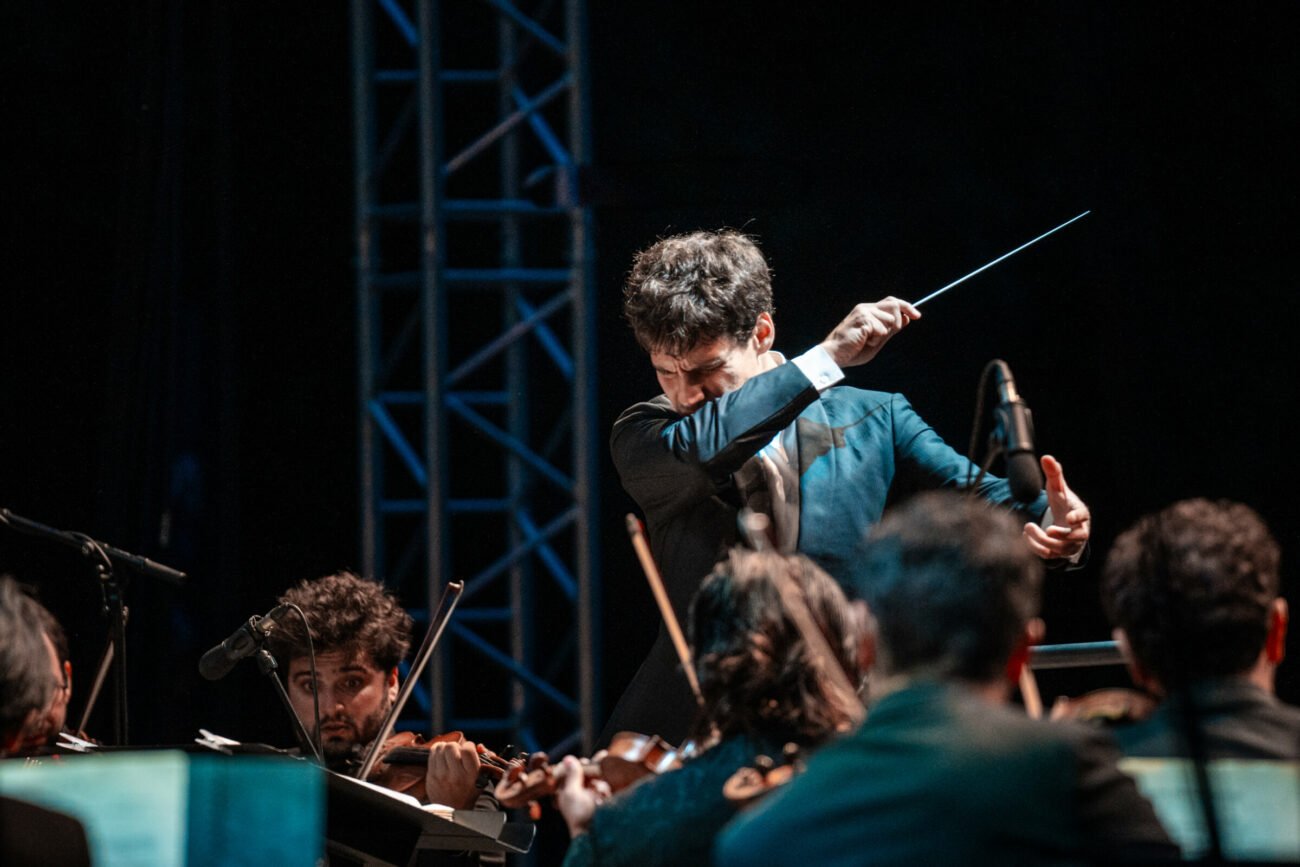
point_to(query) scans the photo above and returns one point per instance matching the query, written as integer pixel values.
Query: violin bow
(1029, 692)
(656, 580)
(755, 526)
(446, 606)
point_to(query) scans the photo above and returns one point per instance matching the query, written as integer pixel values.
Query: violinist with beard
(360, 633)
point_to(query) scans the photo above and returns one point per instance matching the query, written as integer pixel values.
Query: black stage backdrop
(178, 373)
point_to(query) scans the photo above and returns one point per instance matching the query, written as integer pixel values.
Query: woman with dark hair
(762, 689)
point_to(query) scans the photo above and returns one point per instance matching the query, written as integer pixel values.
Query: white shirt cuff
(817, 365)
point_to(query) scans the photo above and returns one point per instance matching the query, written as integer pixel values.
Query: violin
(630, 757)
(404, 759)
(755, 780)
(1109, 707)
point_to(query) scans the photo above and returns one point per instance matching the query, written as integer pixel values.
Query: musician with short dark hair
(1193, 594)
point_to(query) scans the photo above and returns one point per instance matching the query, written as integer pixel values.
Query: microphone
(244, 642)
(1015, 431)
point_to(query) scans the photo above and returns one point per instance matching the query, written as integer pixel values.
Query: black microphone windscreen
(217, 663)
(1024, 476)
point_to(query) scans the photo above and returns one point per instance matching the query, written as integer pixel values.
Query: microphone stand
(103, 557)
(267, 665)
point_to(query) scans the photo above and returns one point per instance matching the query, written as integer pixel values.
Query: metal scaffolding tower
(475, 315)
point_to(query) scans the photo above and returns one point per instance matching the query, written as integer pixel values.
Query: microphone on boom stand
(1014, 431)
(243, 643)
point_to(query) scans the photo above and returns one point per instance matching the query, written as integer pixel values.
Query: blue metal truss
(476, 357)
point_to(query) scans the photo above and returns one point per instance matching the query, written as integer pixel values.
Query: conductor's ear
(764, 332)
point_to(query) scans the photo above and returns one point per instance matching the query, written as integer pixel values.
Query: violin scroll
(1108, 707)
(755, 780)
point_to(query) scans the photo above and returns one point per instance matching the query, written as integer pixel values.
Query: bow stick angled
(446, 607)
(756, 527)
(665, 606)
(939, 292)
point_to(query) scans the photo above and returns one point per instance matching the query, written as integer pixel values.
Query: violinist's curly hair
(755, 672)
(347, 613)
(1192, 587)
(691, 289)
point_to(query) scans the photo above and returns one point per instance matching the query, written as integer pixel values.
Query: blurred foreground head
(952, 587)
(755, 671)
(1193, 592)
(26, 685)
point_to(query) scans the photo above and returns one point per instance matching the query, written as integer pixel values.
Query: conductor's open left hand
(1071, 521)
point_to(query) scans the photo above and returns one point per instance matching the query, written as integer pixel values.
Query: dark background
(179, 347)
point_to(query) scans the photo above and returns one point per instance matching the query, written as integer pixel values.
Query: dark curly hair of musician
(756, 674)
(347, 613)
(692, 289)
(1192, 587)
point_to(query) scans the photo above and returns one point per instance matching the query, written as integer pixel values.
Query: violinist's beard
(347, 739)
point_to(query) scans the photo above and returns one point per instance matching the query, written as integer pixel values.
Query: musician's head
(51, 719)
(26, 683)
(755, 671)
(360, 633)
(953, 588)
(701, 305)
(1192, 592)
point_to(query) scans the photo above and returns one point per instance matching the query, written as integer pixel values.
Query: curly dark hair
(1192, 587)
(755, 672)
(348, 613)
(951, 585)
(693, 289)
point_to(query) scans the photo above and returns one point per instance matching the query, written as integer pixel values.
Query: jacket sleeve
(925, 461)
(663, 457)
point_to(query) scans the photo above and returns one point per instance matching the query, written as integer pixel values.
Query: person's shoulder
(657, 405)
(1289, 712)
(1239, 721)
(656, 410)
(34, 834)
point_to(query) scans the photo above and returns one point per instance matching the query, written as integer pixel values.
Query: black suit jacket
(1237, 720)
(37, 836)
